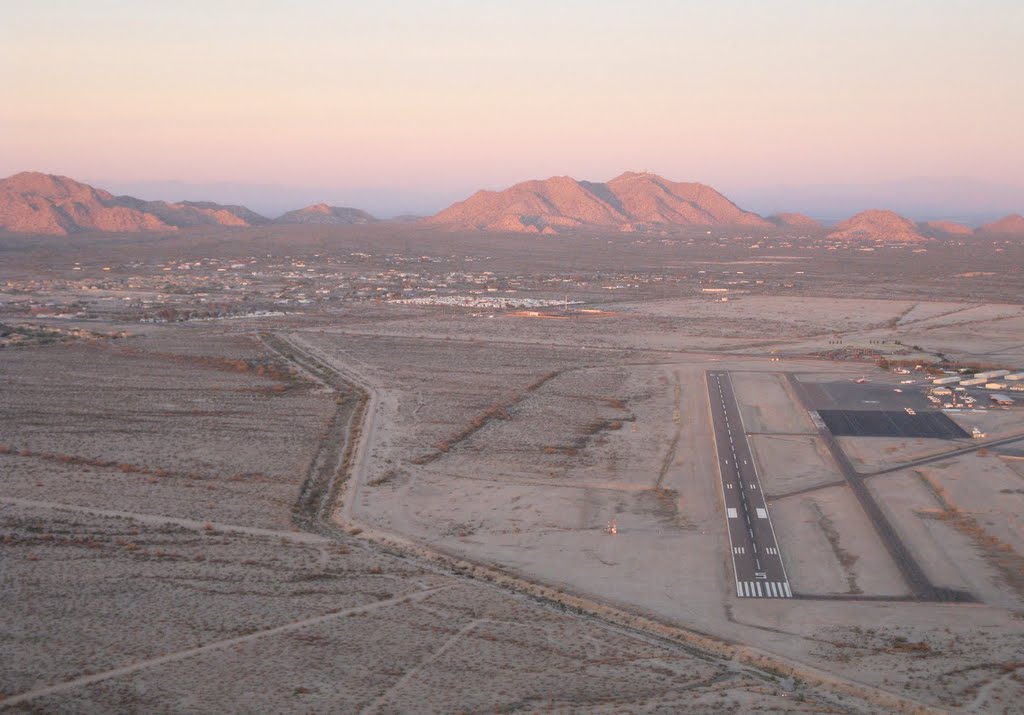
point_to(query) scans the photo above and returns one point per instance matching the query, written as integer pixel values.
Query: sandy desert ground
(377, 507)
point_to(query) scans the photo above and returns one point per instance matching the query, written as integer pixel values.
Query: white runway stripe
(772, 589)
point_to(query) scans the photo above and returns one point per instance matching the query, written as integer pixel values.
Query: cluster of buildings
(989, 380)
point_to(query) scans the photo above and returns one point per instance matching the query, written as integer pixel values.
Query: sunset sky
(430, 100)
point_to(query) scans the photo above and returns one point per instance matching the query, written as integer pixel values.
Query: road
(350, 372)
(756, 559)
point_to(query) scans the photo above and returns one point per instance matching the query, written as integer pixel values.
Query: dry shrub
(902, 645)
(537, 384)
(499, 412)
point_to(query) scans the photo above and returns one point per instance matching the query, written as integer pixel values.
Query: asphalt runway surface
(757, 562)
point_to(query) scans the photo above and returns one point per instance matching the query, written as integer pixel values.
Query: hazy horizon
(408, 107)
(919, 198)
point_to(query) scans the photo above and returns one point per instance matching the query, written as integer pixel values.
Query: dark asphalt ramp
(891, 423)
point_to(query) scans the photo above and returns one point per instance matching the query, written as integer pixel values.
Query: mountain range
(631, 201)
(642, 201)
(32, 202)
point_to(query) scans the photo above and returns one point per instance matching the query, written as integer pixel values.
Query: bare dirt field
(138, 426)
(870, 454)
(952, 547)
(767, 406)
(792, 462)
(831, 547)
(234, 477)
(194, 591)
(170, 617)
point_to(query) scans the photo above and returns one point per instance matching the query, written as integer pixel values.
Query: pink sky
(451, 95)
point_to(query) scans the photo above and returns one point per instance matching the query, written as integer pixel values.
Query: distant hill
(791, 220)
(969, 201)
(944, 229)
(324, 214)
(32, 202)
(877, 225)
(1008, 225)
(42, 203)
(195, 213)
(632, 201)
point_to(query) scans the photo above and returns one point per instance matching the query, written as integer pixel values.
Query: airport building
(992, 374)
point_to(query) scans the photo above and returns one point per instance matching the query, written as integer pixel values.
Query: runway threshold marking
(763, 589)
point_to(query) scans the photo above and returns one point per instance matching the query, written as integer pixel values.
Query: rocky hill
(42, 203)
(790, 220)
(943, 229)
(32, 202)
(877, 225)
(195, 213)
(1008, 225)
(632, 201)
(324, 214)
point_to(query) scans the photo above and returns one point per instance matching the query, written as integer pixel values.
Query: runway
(757, 563)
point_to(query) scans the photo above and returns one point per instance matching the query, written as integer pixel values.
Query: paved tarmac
(757, 563)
